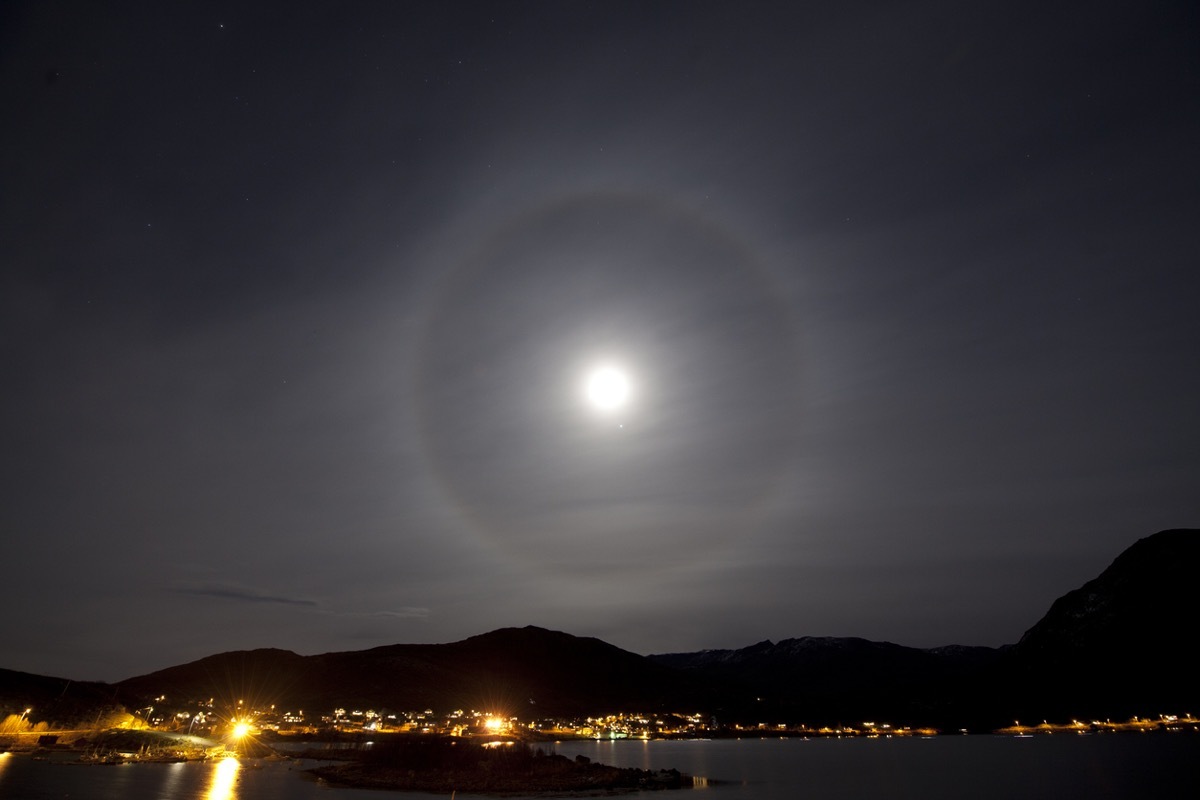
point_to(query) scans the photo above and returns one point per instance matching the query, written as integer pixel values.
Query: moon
(607, 388)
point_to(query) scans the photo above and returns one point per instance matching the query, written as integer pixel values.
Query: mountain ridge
(1086, 655)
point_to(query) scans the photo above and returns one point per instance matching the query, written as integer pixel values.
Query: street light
(15, 727)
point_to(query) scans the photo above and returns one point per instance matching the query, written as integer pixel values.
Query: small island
(446, 765)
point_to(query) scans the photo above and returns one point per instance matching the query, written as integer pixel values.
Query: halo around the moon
(685, 326)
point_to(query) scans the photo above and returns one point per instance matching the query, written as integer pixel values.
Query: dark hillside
(827, 680)
(513, 670)
(1120, 644)
(57, 700)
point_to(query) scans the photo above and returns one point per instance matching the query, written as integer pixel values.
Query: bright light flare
(607, 388)
(241, 730)
(493, 723)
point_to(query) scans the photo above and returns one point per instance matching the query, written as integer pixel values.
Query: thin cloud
(251, 595)
(404, 612)
(244, 595)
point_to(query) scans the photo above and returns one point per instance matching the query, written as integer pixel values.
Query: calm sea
(978, 767)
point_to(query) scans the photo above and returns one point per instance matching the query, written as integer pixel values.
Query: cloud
(244, 595)
(404, 612)
(253, 595)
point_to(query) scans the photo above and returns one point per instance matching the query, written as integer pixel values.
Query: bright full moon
(607, 388)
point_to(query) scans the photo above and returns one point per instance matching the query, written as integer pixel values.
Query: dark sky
(298, 300)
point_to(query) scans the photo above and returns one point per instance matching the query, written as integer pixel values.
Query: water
(977, 767)
(23, 778)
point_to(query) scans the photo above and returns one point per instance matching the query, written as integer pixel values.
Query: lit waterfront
(211, 732)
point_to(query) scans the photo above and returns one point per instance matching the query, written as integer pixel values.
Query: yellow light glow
(224, 780)
(241, 729)
(493, 723)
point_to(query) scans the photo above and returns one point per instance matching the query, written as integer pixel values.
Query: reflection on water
(224, 780)
(171, 786)
(1116, 767)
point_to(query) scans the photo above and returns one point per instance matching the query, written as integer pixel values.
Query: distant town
(211, 720)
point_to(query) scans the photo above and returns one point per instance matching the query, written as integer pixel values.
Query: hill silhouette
(829, 680)
(523, 671)
(62, 700)
(1112, 648)
(1118, 645)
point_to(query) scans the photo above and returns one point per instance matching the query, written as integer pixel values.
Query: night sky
(299, 302)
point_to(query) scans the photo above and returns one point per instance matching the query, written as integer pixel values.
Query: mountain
(1118, 645)
(1144, 599)
(821, 680)
(1112, 648)
(59, 699)
(526, 671)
